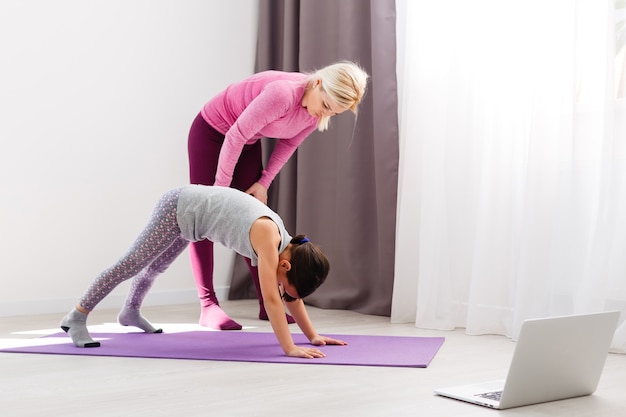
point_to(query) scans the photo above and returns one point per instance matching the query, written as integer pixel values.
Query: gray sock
(75, 325)
(131, 317)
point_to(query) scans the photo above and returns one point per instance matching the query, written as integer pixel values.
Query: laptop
(555, 358)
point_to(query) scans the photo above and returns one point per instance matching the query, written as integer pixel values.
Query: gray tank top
(224, 215)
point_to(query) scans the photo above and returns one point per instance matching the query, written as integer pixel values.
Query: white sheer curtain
(512, 192)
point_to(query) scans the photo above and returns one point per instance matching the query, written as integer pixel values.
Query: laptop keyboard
(495, 395)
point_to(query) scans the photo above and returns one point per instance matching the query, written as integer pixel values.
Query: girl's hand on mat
(304, 352)
(323, 340)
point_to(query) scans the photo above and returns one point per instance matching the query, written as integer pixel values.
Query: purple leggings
(158, 245)
(204, 149)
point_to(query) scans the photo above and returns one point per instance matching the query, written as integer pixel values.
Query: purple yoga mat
(394, 351)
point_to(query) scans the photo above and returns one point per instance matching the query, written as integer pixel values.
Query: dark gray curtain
(339, 188)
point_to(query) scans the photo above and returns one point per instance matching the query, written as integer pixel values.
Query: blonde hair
(345, 82)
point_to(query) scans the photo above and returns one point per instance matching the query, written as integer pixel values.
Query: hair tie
(304, 240)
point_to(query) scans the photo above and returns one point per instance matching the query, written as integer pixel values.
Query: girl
(289, 268)
(224, 147)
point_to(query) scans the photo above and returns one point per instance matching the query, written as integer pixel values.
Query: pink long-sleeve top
(267, 104)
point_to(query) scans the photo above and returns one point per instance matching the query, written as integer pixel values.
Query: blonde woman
(225, 149)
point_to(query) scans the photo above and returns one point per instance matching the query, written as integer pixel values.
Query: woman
(225, 149)
(289, 268)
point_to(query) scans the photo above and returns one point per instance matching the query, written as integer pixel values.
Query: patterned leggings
(158, 245)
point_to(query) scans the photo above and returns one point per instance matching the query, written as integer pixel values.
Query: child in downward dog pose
(289, 268)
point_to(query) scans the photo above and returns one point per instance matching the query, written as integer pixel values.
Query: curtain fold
(340, 187)
(513, 170)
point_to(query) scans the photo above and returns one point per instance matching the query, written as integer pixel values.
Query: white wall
(96, 99)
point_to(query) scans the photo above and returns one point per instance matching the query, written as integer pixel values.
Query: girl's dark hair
(309, 266)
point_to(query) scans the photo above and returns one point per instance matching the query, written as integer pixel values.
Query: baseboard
(50, 306)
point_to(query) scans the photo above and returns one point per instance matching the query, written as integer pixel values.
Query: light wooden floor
(68, 386)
